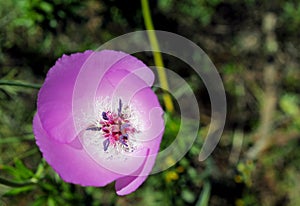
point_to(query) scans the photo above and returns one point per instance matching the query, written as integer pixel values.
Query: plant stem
(157, 55)
(14, 184)
(19, 84)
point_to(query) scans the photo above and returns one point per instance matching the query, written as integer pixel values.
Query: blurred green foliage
(194, 11)
(34, 33)
(292, 15)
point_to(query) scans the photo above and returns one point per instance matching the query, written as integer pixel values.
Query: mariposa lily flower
(98, 120)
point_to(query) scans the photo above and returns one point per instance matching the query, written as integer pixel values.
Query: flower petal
(120, 84)
(134, 65)
(70, 90)
(151, 139)
(123, 164)
(126, 185)
(95, 72)
(71, 85)
(72, 164)
(55, 97)
(141, 96)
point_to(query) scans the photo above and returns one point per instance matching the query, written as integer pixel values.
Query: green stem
(14, 184)
(157, 55)
(205, 195)
(19, 84)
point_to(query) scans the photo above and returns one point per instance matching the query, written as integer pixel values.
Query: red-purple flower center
(116, 129)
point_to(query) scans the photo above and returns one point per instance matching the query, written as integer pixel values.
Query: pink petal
(70, 89)
(146, 103)
(128, 184)
(139, 95)
(123, 85)
(91, 81)
(124, 164)
(133, 65)
(71, 86)
(72, 164)
(55, 97)
(151, 139)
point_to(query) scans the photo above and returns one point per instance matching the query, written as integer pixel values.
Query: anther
(120, 108)
(106, 144)
(94, 128)
(104, 116)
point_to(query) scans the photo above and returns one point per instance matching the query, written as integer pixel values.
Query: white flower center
(113, 130)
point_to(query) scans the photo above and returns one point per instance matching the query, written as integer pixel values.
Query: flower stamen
(116, 129)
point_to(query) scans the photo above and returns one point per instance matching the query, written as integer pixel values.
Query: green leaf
(51, 201)
(22, 170)
(46, 7)
(19, 190)
(9, 169)
(4, 189)
(40, 201)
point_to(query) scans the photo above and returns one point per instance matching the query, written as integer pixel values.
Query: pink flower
(98, 120)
